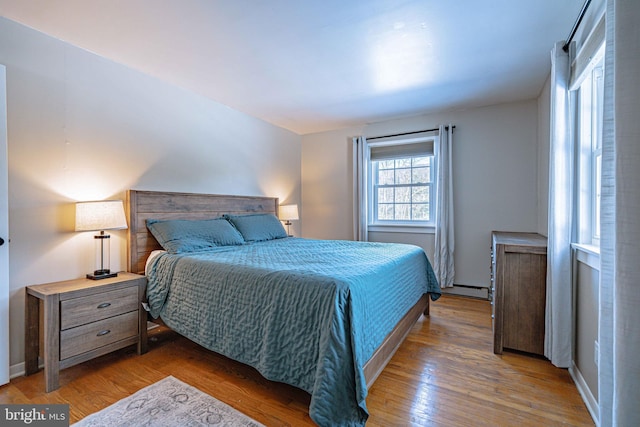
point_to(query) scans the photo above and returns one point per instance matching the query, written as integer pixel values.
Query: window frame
(589, 120)
(409, 226)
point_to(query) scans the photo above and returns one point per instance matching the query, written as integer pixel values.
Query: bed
(295, 309)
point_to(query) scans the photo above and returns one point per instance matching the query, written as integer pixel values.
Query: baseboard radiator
(481, 292)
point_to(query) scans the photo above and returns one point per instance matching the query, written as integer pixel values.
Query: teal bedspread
(309, 313)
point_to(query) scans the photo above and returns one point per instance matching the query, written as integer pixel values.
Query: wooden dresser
(518, 285)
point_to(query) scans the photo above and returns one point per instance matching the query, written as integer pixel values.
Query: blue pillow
(258, 227)
(180, 235)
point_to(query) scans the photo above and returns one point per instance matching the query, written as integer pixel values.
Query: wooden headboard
(143, 205)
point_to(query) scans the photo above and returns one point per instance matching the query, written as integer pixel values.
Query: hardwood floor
(444, 374)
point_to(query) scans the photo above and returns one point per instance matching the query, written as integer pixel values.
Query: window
(401, 183)
(590, 120)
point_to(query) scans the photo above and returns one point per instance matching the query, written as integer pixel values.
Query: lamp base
(101, 274)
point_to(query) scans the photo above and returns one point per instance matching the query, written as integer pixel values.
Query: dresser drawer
(84, 338)
(83, 310)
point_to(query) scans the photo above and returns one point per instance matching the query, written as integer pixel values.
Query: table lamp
(101, 216)
(287, 213)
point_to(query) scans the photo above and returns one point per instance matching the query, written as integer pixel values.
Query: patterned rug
(171, 403)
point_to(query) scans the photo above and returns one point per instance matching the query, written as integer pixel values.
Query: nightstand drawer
(88, 337)
(83, 310)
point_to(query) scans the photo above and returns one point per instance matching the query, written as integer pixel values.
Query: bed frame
(143, 205)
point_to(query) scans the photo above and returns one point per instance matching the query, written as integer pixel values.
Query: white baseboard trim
(585, 392)
(16, 370)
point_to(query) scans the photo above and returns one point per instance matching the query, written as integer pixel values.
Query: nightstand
(78, 320)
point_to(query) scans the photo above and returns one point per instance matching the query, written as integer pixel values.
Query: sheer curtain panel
(619, 329)
(559, 311)
(360, 232)
(443, 264)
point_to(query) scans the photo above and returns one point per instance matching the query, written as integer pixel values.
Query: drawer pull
(104, 305)
(103, 333)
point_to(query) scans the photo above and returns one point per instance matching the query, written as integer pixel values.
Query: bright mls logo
(34, 415)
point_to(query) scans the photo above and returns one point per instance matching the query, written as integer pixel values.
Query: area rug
(170, 403)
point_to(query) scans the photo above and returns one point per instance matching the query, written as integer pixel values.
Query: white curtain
(360, 232)
(619, 329)
(559, 316)
(444, 246)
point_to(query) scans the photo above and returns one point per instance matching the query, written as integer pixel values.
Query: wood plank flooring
(444, 374)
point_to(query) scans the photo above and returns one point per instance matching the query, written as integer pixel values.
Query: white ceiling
(315, 65)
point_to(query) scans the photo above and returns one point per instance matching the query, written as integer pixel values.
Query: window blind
(588, 54)
(401, 150)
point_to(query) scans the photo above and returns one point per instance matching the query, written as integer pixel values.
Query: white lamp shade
(97, 216)
(288, 212)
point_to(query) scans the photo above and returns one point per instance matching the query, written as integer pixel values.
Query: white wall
(587, 301)
(84, 128)
(495, 153)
